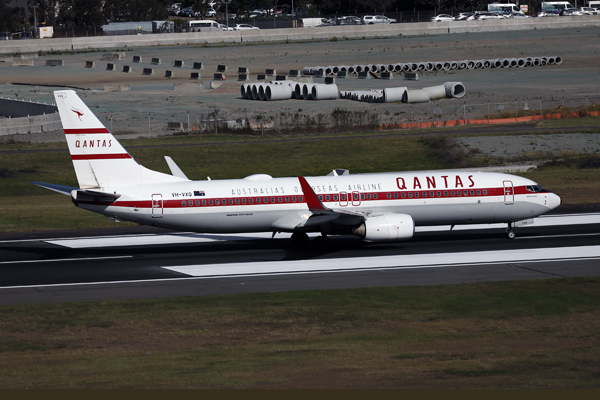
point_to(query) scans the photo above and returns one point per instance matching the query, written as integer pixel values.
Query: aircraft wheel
(510, 234)
(299, 239)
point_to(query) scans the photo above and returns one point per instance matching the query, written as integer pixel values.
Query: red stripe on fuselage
(99, 156)
(85, 131)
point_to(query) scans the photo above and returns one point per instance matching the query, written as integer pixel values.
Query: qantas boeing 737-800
(376, 207)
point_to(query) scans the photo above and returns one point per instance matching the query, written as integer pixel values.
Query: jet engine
(386, 228)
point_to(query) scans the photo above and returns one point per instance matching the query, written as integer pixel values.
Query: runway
(115, 267)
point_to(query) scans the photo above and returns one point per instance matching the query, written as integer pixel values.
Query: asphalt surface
(43, 269)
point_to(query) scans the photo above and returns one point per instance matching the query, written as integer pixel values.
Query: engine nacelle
(386, 228)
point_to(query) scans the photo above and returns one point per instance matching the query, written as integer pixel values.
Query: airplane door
(157, 206)
(343, 199)
(509, 192)
(355, 199)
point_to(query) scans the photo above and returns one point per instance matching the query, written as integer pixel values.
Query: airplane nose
(553, 201)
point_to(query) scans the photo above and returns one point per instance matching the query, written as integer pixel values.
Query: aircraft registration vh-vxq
(377, 207)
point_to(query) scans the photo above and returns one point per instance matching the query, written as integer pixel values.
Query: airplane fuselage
(259, 203)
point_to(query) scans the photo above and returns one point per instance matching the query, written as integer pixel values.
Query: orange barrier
(458, 122)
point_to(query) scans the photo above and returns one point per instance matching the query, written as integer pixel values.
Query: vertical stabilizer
(98, 158)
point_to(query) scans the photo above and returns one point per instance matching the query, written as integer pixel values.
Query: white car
(226, 28)
(375, 19)
(442, 18)
(245, 27)
(588, 10)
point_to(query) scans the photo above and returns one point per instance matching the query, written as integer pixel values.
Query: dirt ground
(154, 97)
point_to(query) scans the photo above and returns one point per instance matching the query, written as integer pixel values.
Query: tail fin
(98, 158)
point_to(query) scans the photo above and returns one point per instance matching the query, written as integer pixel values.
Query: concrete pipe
(439, 66)
(429, 66)
(544, 58)
(359, 68)
(331, 70)
(394, 95)
(446, 65)
(243, 90)
(382, 68)
(543, 61)
(343, 68)
(398, 67)
(436, 92)
(307, 71)
(551, 60)
(373, 68)
(497, 63)
(454, 90)
(478, 64)
(278, 92)
(462, 65)
(351, 69)
(307, 91)
(558, 60)
(413, 67)
(421, 66)
(470, 64)
(453, 65)
(324, 92)
(416, 96)
(261, 92)
(486, 64)
(391, 67)
(505, 63)
(406, 67)
(297, 91)
(255, 91)
(514, 63)
(521, 62)
(528, 63)
(536, 62)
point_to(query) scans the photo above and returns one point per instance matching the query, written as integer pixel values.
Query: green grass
(524, 334)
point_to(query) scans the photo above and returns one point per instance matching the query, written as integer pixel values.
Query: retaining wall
(20, 108)
(296, 34)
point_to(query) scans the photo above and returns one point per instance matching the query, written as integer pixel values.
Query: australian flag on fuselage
(199, 193)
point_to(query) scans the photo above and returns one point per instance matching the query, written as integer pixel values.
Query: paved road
(56, 268)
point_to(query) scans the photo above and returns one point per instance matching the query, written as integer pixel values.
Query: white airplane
(377, 207)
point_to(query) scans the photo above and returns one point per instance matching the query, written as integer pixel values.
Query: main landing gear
(510, 234)
(301, 240)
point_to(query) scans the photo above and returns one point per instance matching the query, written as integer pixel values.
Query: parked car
(245, 27)
(375, 19)
(348, 21)
(588, 11)
(570, 12)
(442, 18)
(483, 15)
(211, 13)
(226, 28)
(464, 16)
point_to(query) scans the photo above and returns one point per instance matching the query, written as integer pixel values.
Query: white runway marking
(385, 262)
(190, 237)
(64, 259)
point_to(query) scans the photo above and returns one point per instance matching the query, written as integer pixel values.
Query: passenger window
(417, 194)
(479, 193)
(466, 192)
(190, 203)
(424, 194)
(287, 199)
(410, 195)
(335, 197)
(452, 193)
(485, 192)
(230, 201)
(403, 195)
(294, 199)
(203, 202)
(217, 202)
(389, 195)
(250, 201)
(439, 194)
(258, 200)
(210, 202)
(375, 196)
(327, 197)
(279, 200)
(445, 193)
(243, 201)
(321, 197)
(237, 201)
(197, 202)
(300, 199)
(362, 196)
(472, 193)
(431, 194)
(272, 199)
(396, 195)
(458, 193)
(368, 196)
(183, 203)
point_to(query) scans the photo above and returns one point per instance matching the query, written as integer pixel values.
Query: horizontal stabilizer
(94, 195)
(57, 188)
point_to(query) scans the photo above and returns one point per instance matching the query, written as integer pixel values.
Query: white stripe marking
(190, 237)
(405, 261)
(63, 259)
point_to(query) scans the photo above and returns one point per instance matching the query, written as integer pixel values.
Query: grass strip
(516, 334)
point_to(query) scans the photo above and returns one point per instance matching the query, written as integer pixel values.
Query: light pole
(35, 18)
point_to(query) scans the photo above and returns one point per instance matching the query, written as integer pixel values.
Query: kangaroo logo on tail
(78, 112)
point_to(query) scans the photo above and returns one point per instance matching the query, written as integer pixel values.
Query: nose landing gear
(510, 234)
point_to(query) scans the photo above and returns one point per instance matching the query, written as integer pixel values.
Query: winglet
(312, 200)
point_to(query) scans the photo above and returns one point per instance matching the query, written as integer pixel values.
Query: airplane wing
(342, 217)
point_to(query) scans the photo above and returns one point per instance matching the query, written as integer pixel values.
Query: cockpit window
(534, 188)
